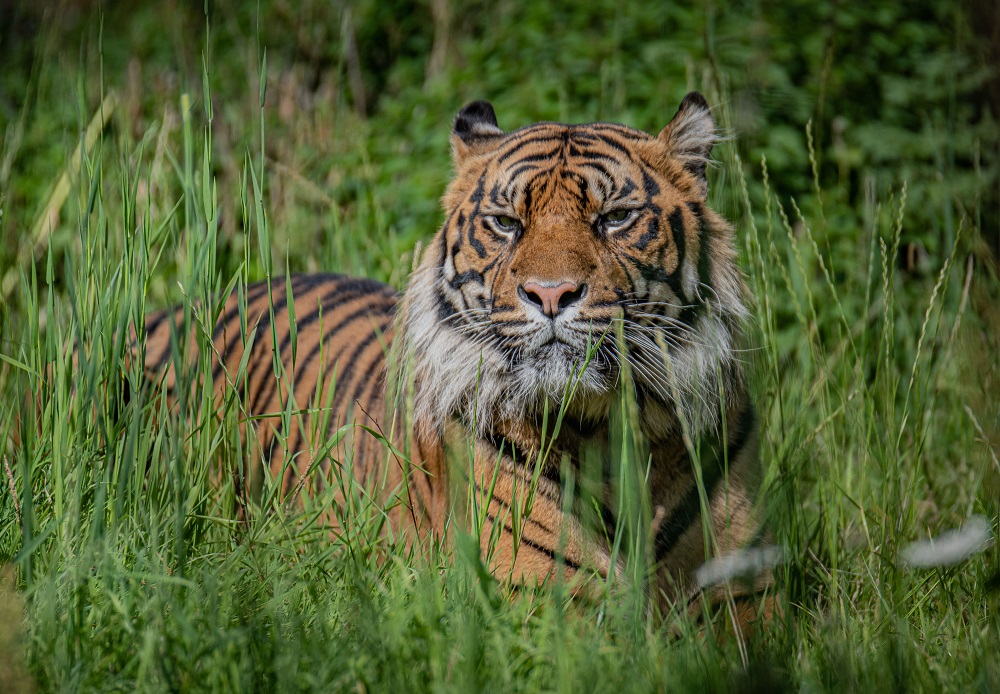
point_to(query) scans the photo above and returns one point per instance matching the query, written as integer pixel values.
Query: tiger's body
(342, 327)
(572, 259)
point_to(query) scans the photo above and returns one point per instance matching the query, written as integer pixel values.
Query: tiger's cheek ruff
(452, 368)
(683, 352)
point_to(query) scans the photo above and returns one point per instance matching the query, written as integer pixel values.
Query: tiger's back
(330, 371)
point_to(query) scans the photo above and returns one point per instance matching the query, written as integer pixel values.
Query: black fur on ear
(691, 134)
(475, 130)
(476, 120)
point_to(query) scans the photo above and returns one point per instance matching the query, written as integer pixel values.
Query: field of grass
(158, 154)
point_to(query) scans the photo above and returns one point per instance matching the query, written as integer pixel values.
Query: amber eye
(616, 218)
(504, 225)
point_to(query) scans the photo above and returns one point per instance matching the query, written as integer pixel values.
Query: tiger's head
(567, 251)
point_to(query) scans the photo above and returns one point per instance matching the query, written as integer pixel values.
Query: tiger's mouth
(578, 335)
(553, 343)
(559, 349)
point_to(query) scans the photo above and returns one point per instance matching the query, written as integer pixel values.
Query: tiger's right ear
(475, 131)
(689, 137)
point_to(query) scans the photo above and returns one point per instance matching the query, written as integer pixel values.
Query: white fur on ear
(475, 129)
(691, 135)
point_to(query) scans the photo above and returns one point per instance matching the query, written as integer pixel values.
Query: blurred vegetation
(863, 174)
(358, 93)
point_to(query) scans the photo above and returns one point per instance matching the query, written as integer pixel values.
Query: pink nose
(551, 300)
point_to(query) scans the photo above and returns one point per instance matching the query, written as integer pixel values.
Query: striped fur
(557, 238)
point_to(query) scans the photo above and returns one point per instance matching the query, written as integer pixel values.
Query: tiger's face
(561, 243)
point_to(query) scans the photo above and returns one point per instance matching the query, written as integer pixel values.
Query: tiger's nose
(551, 299)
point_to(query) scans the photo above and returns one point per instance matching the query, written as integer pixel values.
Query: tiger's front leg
(526, 534)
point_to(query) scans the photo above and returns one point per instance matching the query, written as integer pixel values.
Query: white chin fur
(549, 375)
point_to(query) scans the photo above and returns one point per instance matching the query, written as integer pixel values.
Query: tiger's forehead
(540, 141)
(559, 130)
(593, 162)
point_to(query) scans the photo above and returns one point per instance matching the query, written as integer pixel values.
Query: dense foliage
(863, 173)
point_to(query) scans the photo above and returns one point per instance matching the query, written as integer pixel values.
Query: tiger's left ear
(475, 131)
(690, 135)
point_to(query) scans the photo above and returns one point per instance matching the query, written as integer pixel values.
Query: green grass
(873, 357)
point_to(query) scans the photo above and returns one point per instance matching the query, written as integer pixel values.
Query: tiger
(576, 264)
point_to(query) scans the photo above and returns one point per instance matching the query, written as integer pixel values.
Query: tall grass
(135, 573)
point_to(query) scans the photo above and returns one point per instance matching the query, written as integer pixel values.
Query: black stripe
(690, 314)
(556, 501)
(265, 322)
(539, 156)
(676, 220)
(652, 232)
(346, 369)
(527, 475)
(480, 190)
(597, 165)
(583, 195)
(617, 128)
(303, 368)
(535, 546)
(515, 147)
(445, 308)
(220, 326)
(626, 189)
(343, 293)
(477, 198)
(616, 144)
(649, 186)
(656, 273)
(444, 250)
(704, 255)
(254, 292)
(157, 364)
(490, 265)
(464, 277)
(364, 393)
(605, 181)
(626, 269)
(529, 197)
(153, 321)
(459, 224)
(517, 172)
(500, 308)
(551, 554)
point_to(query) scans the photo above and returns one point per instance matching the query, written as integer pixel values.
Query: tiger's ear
(475, 130)
(690, 135)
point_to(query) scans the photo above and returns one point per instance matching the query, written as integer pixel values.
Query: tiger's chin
(558, 370)
(558, 376)
(549, 378)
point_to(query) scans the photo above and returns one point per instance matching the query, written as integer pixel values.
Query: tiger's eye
(617, 216)
(505, 221)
